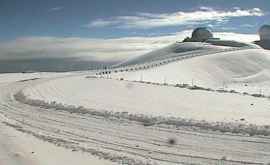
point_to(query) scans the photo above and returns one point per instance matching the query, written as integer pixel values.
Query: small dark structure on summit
(200, 34)
(264, 33)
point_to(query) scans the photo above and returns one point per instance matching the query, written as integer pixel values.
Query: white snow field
(120, 139)
(152, 100)
(180, 49)
(18, 148)
(245, 70)
(117, 116)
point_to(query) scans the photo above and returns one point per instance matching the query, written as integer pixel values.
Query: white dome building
(201, 34)
(264, 32)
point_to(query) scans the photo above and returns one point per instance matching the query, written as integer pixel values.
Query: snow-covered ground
(242, 70)
(124, 119)
(246, 70)
(118, 140)
(18, 148)
(180, 49)
(174, 50)
(138, 98)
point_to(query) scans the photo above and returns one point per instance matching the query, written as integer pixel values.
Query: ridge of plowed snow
(138, 98)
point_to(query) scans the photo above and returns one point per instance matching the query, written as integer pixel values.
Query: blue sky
(109, 28)
(67, 18)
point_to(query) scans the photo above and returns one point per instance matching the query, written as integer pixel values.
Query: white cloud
(52, 47)
(248, 25)
(206, 8)
(98, 49)
(58, 8)
(152, 20)
(237, 36)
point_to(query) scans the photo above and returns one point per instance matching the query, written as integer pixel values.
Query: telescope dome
(264, 32)
(201, 34)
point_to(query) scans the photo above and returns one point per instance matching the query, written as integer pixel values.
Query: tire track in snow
(128, 141)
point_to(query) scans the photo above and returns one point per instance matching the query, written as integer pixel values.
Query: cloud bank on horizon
(97, 49)
(154, 20)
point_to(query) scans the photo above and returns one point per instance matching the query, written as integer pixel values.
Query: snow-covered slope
(174, 50)
(137, 98)
(179, 49)
(247, 69)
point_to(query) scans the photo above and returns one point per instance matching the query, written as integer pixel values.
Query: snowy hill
(179, 49)
(243, 69)
(246, 68)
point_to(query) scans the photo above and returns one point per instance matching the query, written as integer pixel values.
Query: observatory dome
(264, 32)
(201, 34)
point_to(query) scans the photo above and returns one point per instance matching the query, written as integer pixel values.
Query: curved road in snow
(129, 142)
